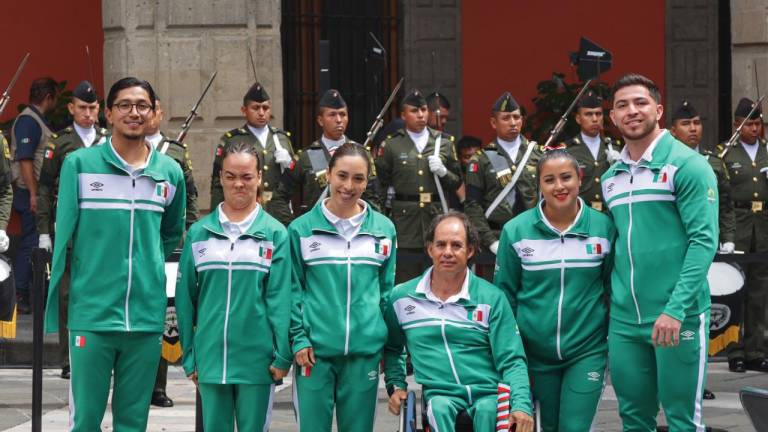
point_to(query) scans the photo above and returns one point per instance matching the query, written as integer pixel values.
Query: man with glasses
(120, 213)
(83, 132)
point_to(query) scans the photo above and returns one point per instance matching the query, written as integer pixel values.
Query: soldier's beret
(257, 93)
(85, 92)
(414, 98)
(686, 110)
(505, 103)
(744, 107)
(332, 99)
(589, 100)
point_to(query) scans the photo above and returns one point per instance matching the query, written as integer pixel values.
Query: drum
(726, 283)
(171, 347)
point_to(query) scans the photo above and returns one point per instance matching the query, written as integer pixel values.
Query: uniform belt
(415, 198)
(745, 205)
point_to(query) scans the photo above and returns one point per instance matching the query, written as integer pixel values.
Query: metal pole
(39, 282)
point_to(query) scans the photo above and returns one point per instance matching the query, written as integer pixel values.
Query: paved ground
(15, 407)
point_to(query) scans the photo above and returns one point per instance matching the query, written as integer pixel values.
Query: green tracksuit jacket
(233, 301)
(556, 283)
(463, 349)
(121, 228)
(340, 286)
(666, 212)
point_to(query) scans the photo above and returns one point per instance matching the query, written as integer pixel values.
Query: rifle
(564, 119)
(379, 121)
(732, 141)
(6, 97)
(193, 112)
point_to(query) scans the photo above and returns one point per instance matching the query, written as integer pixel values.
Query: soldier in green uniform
(491, 169)
(83, 132)
(409, 161)
(311, 165)
(747, 163)
(594, 152)
(687, 128)
(178, 152)
(275, 145)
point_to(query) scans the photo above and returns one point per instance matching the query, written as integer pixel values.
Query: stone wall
(749, 39)
(177, 44)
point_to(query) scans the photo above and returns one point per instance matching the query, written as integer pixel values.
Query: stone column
(749, 41)
(177, 44)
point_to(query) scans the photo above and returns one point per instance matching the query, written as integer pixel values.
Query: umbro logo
(315, 246)
(688, 334)
(610, 187)
(527, 251)
(409, 309)
(97, 186)
(202, 251)
(373, 375)
(593, 376)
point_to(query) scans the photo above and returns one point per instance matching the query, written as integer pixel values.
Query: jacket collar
(579, 228)
(212, 223)
(153, 164)
(465, 297)
(659, 153)
(321, 224)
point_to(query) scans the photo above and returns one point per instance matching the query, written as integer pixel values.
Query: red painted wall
(514, 44)
(56, 33)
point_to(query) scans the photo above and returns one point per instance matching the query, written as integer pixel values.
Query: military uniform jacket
(58, 147)
(178, 152)
(6, 191)
(727, 217)
(416, 200)
(271, 173)
(749, 191)
(591, 169)
(309, 170)
(485, 182)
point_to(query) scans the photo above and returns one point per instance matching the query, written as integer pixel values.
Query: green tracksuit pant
(351, 382)
(250, 405)
(644, 376)
(442, 411)
(94, 356)
(569, 393)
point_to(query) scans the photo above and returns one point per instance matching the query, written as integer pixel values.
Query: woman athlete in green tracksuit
(554, 263)
(343, 257)
(233, 302)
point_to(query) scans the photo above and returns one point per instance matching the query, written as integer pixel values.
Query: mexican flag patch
(473, 167)
(265, 252)
(594, 248)
(49, 154)
(306, 371)
(80, 341)
(660, 177)
(476, 315)
(381, 247)
(161, 190)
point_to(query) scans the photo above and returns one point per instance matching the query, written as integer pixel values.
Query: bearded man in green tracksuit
(462, 337)
(233, 302)
(121, 208)
(663, 199)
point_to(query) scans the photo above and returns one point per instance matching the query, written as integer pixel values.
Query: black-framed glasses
(126, 107)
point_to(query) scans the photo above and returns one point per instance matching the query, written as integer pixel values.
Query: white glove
(282, 157)
(727, 248)
(45, 242)
(612, 155)
(4, 241)
(494, 247)
(436, 166)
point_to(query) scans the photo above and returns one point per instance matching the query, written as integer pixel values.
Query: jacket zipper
(349, 294)
(629, 250)
(450, 359)
(226, 313)
(130, 256)
(562, 294)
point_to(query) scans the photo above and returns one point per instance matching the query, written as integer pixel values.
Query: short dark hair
(350, 149)
(129, 82)
(637, 79)
(41, 88)
(468, 141)
(242, 147)
(473, 238)
(556, 154)
(437, 100)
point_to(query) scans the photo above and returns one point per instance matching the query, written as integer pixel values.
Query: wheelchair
(409, 422)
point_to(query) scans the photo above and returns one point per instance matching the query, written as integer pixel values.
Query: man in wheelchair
(462, 336)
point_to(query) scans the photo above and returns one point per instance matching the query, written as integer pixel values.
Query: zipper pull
(562, 238)
(349, 245)
(232, 246)
(631, 177)
(133, 180)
